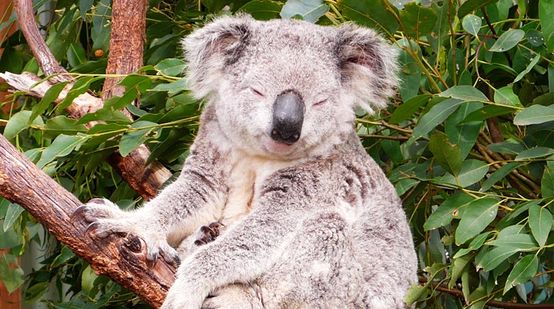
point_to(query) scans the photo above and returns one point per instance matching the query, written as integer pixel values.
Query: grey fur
(311, 225)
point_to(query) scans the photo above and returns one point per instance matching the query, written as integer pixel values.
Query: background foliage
(468, 142)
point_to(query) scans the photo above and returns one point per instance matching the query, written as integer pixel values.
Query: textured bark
(129, 18)
(126, 42)
(122, 259)
(43, 55)
(37, 87)
(125, 57)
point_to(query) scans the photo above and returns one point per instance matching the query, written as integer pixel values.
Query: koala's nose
(288, 116)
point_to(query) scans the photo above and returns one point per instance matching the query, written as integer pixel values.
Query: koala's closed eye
(256, 91)
(320, 102)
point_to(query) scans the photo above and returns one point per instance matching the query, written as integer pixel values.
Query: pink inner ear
(363, 56)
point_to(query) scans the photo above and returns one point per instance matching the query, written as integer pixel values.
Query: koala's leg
(384, 246)
(240, 296)
(317, 269)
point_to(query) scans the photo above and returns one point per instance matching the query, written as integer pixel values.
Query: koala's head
(286, 88)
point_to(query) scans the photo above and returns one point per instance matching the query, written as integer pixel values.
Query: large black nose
(288, 116)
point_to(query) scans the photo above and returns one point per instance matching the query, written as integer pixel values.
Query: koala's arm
(248, 249)
(193, 199)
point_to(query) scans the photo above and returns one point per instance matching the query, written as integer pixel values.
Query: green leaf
(81, 86)
(408, 108)
(533, 153)
(460, 132)
(84, 7)
(495, 257)
(508, 40)
(10, 273)
(534, 114)
(435, 116)
(50, 96)
(506, 96)
(522, 272)
(475, 244)
(458, 266)
(445, 153)
(534, 38)
(472, 5)
(522, 242)
(65, 255)
(509, 147)
(19, 122)
(487, 112)
(101, 26)
(471, 172)
(540, 222)
(421, 19)
(546, 15)
(373, 13)
(308, 10)
(135, 138)
(262, 9)
(173, 87)
(471, 24)
(62, 125)
(13, 212)
(171, 66)
(414, 293)
(444, 214)
(60, 147)
(87, 279)
(475, 218)
(464, 92)
(76, 54)
(547, 181)
(498, 175)
(528, 69)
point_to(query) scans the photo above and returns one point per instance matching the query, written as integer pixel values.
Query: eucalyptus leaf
(12, 214)
(476, 216)
(540, 222)
(534, 114)
(508, 40)
(523, 271)
(60, 147)
(471, 24)
(308, 10)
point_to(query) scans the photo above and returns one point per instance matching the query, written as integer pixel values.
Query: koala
(278, 204)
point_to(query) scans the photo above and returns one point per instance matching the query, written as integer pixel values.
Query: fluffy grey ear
(368, 66)
(209, 49)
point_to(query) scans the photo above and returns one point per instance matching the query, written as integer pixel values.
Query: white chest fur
(245, 181)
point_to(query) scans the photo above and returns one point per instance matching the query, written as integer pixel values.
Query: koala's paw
(233, 296)
(105, 219)
(208, 233)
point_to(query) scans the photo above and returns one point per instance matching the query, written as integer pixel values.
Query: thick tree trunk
(125, 57)
(122, 259)
(126, 43)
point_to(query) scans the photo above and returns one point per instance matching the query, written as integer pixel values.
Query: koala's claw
(208, 233)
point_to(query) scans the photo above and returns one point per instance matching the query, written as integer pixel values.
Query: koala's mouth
(277, 148)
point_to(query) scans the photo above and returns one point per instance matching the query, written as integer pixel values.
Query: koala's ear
(368, 66)
(209, 49)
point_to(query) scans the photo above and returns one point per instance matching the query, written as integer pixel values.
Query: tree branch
(122, 259)
(146, 180)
